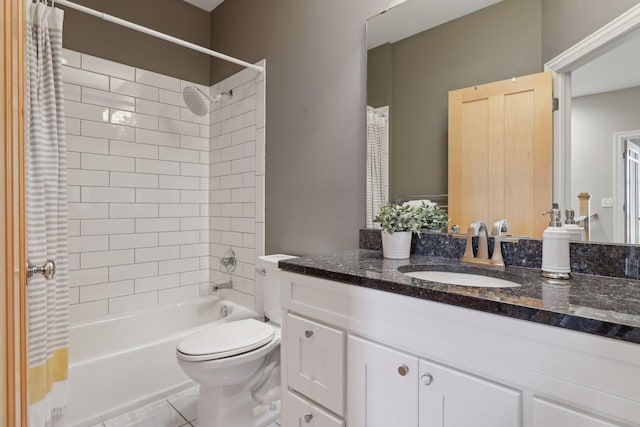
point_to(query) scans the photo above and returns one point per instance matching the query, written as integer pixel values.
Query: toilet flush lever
(308, 334)
(308, 418)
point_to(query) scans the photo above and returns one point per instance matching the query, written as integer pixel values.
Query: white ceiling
(414, 16)
(207, 5)
(617, 69)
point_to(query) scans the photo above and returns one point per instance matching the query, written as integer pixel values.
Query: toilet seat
(225, 340)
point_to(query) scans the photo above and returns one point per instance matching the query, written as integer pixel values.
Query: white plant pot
(396, 245)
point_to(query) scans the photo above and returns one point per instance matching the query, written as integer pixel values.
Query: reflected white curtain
(46, 202)
(377, 149)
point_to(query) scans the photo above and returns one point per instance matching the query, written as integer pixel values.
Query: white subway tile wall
(236, 168)
(147, 222)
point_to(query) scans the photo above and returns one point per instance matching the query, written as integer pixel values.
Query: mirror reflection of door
(500, 153)
(632, 189)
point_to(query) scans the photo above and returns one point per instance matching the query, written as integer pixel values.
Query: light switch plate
(607, 202)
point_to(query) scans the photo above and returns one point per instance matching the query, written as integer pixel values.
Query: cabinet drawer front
(301, 412)
(449, 397)
(549, 414)
(315, 361)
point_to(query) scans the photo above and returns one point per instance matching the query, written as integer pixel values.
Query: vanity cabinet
(388, 387)
(369, 358)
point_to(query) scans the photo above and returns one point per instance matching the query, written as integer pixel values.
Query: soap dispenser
(555, 248)
(576, 233)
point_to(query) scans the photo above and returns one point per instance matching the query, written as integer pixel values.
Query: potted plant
(431, 218)
(398, 222)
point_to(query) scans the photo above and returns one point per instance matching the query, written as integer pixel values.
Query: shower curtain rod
(157, 34)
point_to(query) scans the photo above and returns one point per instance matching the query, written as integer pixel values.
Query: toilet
(236, 364)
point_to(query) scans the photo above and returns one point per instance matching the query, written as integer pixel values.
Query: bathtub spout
(217, 286)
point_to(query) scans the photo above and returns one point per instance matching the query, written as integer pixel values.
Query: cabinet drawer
(315, 361)
(550, 414)
(301, 412)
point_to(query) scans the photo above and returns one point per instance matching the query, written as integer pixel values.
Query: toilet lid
(226, 340)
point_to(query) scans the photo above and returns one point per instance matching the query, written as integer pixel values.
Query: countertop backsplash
(599, 259)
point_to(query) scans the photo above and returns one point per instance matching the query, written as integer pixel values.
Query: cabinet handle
(427, 379)
(308, 334)
(403, 370)
(308, 418)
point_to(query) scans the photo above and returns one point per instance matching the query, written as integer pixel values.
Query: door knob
(403, 370)
(48, 270)
(308, 418)
(427, 379)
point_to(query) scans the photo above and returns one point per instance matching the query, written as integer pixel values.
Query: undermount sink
(462, 279)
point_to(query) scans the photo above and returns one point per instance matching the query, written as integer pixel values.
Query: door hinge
(555, 104)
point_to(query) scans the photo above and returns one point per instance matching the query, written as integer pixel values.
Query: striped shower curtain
(46, 201)
(377, 134)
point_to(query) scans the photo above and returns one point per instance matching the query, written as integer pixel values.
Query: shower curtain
(46, 203)
(377, 135)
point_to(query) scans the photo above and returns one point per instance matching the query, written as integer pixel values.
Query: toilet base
(233, 406)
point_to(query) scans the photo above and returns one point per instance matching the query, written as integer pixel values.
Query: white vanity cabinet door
(452, 398)
(549, 414)
(382, 386)
(301, 413)
(315, 361)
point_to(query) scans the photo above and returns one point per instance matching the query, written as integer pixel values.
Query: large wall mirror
(420, 50)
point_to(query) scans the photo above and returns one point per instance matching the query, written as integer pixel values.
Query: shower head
(197, 100)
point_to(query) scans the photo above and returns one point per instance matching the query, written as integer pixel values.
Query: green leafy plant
(392, 218)
(431, 218)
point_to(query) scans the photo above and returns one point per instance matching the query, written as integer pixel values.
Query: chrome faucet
(498, 227)
(477, 229)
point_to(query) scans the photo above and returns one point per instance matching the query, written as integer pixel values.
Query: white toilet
(232, 360)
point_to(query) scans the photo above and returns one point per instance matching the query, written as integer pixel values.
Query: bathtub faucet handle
(228, 261)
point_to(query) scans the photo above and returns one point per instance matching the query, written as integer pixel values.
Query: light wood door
(451, 398)
(382, 386)
(13, 348)
(501, 153)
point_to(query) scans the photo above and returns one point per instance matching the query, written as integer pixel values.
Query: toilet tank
(268, 279)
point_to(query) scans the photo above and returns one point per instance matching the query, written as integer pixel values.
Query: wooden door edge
(14, 357)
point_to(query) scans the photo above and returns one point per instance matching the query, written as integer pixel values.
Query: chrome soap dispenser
(555, 248)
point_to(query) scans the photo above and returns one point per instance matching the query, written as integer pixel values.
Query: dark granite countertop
(604, 306)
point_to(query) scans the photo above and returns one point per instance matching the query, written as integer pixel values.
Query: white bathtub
(121, 362)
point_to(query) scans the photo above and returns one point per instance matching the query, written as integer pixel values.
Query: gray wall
(594, 119)
(380, 75)
(88, 34)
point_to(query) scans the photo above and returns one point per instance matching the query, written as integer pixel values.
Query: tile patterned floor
(179, 410)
